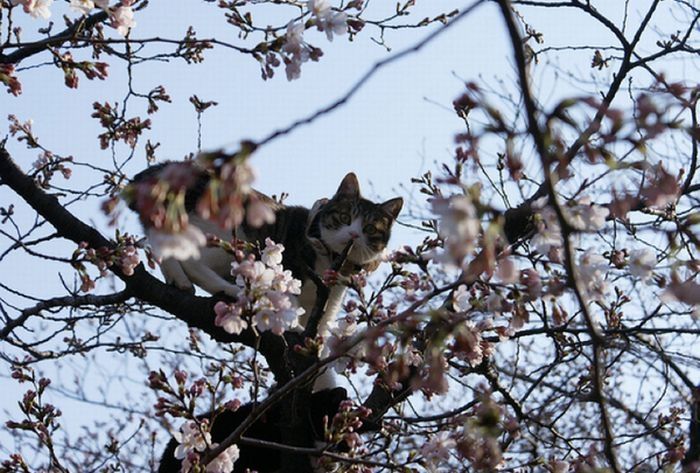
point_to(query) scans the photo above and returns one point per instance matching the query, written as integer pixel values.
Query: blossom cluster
(194, 438)
(458, 226)
(582, 215)
(263, 291)
(124, 255)
(121, 15)
(296, 50)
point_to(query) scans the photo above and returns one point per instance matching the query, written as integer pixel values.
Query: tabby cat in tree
(312, 239)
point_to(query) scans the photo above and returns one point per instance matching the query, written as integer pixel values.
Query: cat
(253, 458)
(312, 238)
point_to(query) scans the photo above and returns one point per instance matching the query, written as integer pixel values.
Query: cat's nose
(354, 235)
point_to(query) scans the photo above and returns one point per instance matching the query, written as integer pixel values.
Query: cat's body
(312, 239)
(322, 406)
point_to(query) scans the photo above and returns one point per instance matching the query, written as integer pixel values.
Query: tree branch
(69, 33)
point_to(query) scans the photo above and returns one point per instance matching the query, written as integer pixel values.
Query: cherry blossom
(297, 50)
(35, 8)
(128, 260)
(458, 225)
(272, 254)
(264, 295)
(460, 299)
(558, 466)
(192, 437)
(436, 450)
(585, 216)
(228, 317)
(642, 263)
(224, 462)
(591, 271)
(123, 19)
(82, 6)
(258, 213)
(327, 20)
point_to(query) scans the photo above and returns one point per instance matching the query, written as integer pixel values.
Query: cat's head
(347, 216)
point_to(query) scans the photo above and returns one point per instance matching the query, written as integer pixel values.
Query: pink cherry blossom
(123, 19)
(82, 6)
(192, 437)
(458, 225)
(642, 263)
(224, 462)
(436, 451)
(228, 317)
(35, 8)
(591, 271)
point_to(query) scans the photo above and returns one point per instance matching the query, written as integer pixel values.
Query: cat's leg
(175, 275)
(203, 276)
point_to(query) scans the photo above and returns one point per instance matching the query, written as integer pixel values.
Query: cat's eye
(370, 229)
(345, 218)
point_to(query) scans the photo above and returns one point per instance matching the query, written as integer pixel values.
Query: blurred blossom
(591, 271)
(458, 225)
(548, 236)
(687, 292)
(558, 466)
(436, 451)
(460, 299)
(642, 263)
(35, 8)
(297, 50)
(123, 19)
(585, 216)
(82, 6)
(328, 20)
(258, 213)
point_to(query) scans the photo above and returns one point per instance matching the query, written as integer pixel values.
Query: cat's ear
(349, 187)
(393, 207)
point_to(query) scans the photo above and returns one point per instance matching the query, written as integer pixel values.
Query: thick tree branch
(69, 33)
(197, 312)
(65, 301)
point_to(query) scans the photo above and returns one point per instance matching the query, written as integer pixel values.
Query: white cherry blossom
(190, 438)
(265, 295)
(35, 8)
(458, 225)
(585, 216)
(460, 299)
(436, 451)
(123, 19)
(224, 462)
(591, 271)
(82, 6)
(642, 263)
(272, 253)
